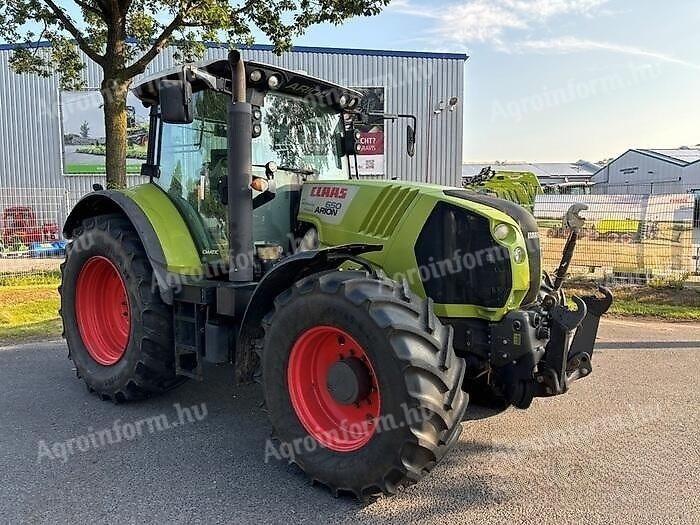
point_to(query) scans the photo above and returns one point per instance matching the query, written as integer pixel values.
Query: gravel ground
(622, 447)
(28, 265)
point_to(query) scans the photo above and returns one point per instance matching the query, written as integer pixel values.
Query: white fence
(31, 241)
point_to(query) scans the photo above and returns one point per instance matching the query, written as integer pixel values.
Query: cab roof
(293, 83)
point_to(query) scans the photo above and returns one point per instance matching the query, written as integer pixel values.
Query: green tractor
(519, 187)
(368, 310)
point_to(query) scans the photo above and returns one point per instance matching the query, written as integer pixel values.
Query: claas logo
(334, 192)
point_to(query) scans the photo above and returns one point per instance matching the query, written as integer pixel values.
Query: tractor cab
(301, 130)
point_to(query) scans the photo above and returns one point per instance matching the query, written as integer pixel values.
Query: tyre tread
(154, 372)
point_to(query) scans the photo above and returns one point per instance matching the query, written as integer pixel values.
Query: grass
(29, 305)
(48, 277)
(655, 302)
(627, 308)
(29, 312)
(92, 169)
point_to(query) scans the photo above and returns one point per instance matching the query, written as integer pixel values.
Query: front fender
(277, 280)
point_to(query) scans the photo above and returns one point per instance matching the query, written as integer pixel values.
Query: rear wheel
(361, 382)
(119, 331)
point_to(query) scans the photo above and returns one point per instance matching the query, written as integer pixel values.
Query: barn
(651, 171)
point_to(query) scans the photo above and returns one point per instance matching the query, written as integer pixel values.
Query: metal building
(423, 84)
(651, 171)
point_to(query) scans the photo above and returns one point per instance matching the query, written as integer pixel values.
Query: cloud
(505, 23)
(488, 20)
(570, 44)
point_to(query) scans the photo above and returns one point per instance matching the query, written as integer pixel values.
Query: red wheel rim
(102, 310)
(337, 426)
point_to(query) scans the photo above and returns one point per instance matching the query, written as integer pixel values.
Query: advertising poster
(370, 158)
(84, 133)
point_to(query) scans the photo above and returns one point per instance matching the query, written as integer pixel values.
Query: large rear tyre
(361, 382)
(119, 331)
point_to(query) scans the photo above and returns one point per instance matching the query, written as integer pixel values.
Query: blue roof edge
(303, 49)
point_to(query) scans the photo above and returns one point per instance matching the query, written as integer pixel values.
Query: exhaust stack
(240, 195)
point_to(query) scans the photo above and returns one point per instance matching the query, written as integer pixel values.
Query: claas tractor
(367, 310)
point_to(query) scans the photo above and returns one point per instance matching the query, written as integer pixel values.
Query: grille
(460, 262)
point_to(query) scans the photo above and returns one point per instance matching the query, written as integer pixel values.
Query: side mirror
(175, 102)
(410, 140)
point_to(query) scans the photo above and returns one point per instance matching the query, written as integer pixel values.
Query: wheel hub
(333, 388)
(102, 310)
(349, 381)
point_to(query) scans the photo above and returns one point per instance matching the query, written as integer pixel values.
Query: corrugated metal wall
(30, 132)
(30, 155)
(637, 173)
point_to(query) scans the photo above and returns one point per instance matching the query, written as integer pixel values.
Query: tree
(85, 129)
(123, 36)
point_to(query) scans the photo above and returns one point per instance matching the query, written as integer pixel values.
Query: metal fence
(627, 236)
(31, 241)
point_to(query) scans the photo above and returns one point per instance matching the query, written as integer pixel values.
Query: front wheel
(361, 382)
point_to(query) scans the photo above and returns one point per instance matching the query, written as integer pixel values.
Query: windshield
(300, 135)
(296, 135)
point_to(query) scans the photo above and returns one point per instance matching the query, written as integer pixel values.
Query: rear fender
(110, 201)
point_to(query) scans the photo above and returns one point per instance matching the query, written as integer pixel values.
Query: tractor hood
(442, 241)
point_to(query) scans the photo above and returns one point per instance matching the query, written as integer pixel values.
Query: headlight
(274, 82)
(519, 255)
(256, 75)
(501, 232)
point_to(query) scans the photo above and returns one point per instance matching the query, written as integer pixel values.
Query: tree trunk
(114, 96)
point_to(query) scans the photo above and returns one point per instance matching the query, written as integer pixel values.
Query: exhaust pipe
(240, 195)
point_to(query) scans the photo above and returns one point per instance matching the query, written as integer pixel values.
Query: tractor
(367, 310)
(22, 226)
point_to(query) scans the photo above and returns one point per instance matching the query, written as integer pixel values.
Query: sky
(554, 80)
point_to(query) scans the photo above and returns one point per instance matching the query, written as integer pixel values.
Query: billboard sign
(84, 133)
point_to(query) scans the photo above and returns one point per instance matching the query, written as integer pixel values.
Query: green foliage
(132, 152)
(298, 131)
(672, 282)
(176, 182)
(124, 36)
(84, 130)
(102, 29)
